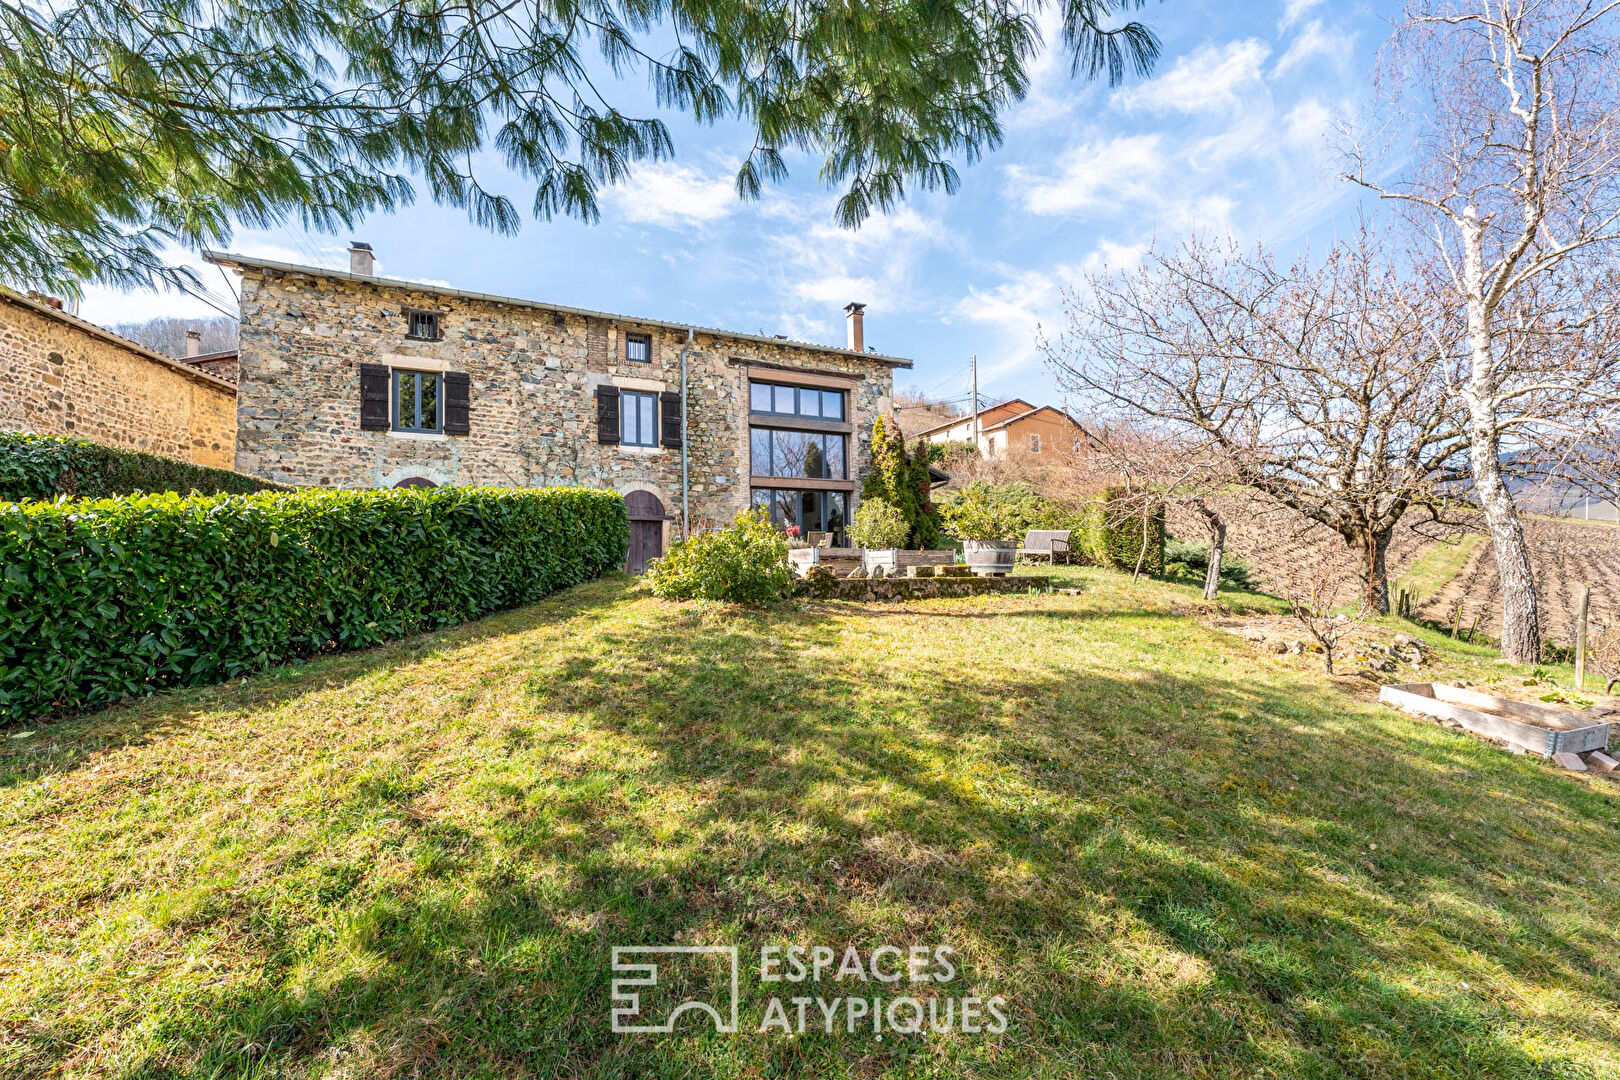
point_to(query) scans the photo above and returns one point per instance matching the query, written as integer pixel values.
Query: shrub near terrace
(113, 598)
(745, 563)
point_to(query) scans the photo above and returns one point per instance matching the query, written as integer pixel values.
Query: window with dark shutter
(457, 403)
(669, 415)
(374, 387)
(607, 414)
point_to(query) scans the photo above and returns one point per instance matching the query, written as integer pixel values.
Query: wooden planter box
(1535, 728)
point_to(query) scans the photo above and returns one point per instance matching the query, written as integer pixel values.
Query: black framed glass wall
(778, 399)
(818, 455)
(811, 511)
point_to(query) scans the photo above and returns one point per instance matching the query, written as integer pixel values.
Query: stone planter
(990, 556)
(888, 558)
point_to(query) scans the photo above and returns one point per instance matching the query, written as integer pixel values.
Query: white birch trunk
(1521, 621)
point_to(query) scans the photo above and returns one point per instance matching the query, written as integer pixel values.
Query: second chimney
(855, 318)
(193, 343)
(361, 260)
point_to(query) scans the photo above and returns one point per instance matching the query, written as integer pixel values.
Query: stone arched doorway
(416, 482)
(647, 517)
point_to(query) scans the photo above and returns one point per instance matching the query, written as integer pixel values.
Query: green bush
(1005, 512)
(117, 597)
(1190, 558)
(48, 466)
(1113, 534)
(879, 525)
(745, 562)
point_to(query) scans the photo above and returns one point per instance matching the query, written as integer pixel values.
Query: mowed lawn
(1174, 857)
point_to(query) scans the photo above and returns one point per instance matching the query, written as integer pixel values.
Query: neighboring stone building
(60, 375)
(349, 380)
(220, 363)
(1014, 429)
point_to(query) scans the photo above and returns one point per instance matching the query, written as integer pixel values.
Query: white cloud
(1208, 78)
(1309, 124)
(673, 195)
(1313, 41)
(1091, 175)
(1113, 256)
(829, 266)
(1294, 10)
(1018, 310)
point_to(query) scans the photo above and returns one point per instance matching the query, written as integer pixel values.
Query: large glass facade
(814, 454)
(811, 511)
(778, 400)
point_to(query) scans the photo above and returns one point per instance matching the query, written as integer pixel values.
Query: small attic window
(422, 325)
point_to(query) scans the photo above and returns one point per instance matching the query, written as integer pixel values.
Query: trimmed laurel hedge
(118, 597)
(47, 466)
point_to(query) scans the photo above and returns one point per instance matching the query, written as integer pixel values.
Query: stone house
(345, 379)
(60, 375)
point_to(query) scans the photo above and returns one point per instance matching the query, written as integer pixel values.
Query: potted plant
(988, 543)
(879, 529)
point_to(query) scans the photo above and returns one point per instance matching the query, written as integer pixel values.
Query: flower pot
(985, 557)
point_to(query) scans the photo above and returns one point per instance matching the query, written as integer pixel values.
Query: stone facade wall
(58, 377)
(533, 374)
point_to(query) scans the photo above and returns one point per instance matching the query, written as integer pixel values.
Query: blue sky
(1234, 134)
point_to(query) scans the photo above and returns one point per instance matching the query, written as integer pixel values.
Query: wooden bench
(1048, 544)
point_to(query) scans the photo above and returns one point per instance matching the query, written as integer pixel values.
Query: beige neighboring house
(348, 379)
(60, 375)
(1014, 429)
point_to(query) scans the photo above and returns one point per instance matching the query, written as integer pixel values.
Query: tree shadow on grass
(1166, 873)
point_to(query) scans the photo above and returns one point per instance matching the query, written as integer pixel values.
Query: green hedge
(113, 598)
(47, 466)
(1113, 534)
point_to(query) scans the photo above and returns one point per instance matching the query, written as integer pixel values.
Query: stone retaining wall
(915, 588)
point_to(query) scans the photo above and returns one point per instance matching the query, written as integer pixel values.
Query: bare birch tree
(1318, 383)
(1513, 110)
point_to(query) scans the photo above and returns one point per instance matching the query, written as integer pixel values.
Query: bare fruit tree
(1147, 471)
(1317, 383)
(1313, 596)
(1512, 108)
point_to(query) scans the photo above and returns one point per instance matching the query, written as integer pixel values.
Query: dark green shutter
(607, 414)
(669, 416)
(457, 406)
(374, 389)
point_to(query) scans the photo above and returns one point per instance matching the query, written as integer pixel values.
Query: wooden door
(647, 519)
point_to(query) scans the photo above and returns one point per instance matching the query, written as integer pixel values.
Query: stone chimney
(361, 260)
(193, 343)
(855, 319)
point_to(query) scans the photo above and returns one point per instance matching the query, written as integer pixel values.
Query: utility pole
(976, 445)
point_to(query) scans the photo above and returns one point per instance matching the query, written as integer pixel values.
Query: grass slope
(1437, 566)
(1173, 856)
